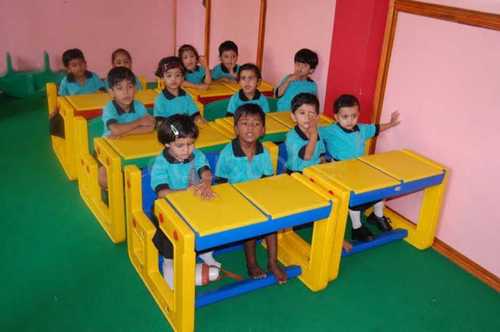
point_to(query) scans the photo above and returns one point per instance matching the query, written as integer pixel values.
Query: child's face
(77, 67)
(173, 78)
(189, 60)
(123, 93)
(122, 60)
(302, 69)
(347, 117)
(229, 59)
(249, 128)
(305, 116)
(248, 81)
(181, 149)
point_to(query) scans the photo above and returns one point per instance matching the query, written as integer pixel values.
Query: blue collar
(121, 111)
(170, 96)
(302, 134)
(238, 151)
(244, 98)
(197, 68)
(348, 131)
(225, 70)
(172, 160)
(71, 78)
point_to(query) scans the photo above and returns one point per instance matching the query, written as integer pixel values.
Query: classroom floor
(61, 273)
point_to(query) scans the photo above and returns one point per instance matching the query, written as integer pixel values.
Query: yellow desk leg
(340, 213)
(111, 216)
(64, 148)
(422, 235)
(273, 152)
(312, 258)
(51, 89)
(177, 303)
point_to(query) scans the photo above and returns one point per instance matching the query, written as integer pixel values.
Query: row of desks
(321, 195)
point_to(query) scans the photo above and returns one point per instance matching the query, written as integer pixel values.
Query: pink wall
(97, 27)
(237, 21)
(191, 24)
(292, 25)
(444, 79)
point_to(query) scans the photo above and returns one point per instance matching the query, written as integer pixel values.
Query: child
(122, 58)
(346, 140)
(227, 69)
(303, 145)
(179, 167)
(79, 80)
(248, 77)
(173, 99)
(305, 61)
(123, 115)
(244, 159)
(197, 73)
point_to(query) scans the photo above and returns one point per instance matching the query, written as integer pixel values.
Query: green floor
(61, 273)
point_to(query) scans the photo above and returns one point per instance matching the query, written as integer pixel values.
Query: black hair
(345, 101)
(187, 48)
(252, 67)
(306, 56)
(168, 63)
(305, 99)
(118, 74)
(118, 51)
(228, 45)
(249, 109)
(72, 54)
(177, 126)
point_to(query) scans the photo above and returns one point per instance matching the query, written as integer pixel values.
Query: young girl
(122, 58)
(180, 167)
(173, 99)
(197, 73)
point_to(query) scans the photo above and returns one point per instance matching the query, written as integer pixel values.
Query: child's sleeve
(140, 109)
(63, 89)
(223, 167)
(264, 104)
(216, 73)
(277, 87)
(368, 130)
(159, 178)
(200, 162)
(109, 115)
(268, 164)
(232, 105)
(192, 109)
(321, 147)
(159, 107)
(100, 86)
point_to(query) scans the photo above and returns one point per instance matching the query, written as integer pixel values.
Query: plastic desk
(275, 130)
(239, 212)
(286, 119)
(381, 176)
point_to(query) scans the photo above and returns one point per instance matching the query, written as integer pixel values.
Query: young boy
(79, 80)
(227, 69)
(123, 115)
(303, 145)
(305, 61)
(173, 99)
(346, 140)
(248, 77)
(244, 159)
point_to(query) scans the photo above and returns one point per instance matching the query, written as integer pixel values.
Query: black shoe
(383, 223)
(362, 234)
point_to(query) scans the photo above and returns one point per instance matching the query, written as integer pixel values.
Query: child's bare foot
(278, 273)
(347, 246)
(255, 272)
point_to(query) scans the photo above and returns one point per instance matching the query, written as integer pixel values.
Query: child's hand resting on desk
(204, 190)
